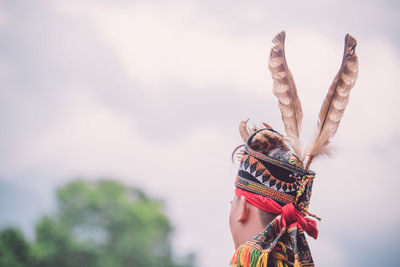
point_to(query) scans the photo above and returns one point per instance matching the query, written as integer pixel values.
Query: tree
(101, 224)
(14, 249)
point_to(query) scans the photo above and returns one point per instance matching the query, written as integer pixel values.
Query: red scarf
(289, 214)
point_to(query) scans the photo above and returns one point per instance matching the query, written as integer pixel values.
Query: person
(269, 214)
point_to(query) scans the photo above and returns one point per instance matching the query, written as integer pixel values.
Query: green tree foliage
(100, 224)
(14, 249)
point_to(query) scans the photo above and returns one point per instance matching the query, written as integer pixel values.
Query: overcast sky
(152, 92)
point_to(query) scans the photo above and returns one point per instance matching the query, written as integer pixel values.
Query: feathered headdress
(276, 167)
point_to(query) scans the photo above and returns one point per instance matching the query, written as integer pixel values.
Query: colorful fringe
(249, 256)
(303, 208)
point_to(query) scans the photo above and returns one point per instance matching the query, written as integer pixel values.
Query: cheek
(233, 223)
(231, 218)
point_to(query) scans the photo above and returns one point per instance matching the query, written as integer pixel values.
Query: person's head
(245, 219)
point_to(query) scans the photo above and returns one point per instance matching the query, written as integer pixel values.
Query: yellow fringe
(278, 256)
(296, 263)
(283, 247)
(263, 260)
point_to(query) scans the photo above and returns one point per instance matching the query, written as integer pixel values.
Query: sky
(152, 92)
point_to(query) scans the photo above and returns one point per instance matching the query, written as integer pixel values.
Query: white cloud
(170, 44)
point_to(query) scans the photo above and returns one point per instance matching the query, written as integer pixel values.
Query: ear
(244, 210)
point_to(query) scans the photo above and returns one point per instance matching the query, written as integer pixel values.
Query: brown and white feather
(285, 90)
(336, 100)
(244, 132)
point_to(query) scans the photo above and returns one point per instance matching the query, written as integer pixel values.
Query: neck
(250, 228)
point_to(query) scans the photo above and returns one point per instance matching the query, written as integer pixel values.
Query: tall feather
(336, 100)
(285, 90)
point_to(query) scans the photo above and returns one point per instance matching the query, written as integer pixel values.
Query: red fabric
(290, 216)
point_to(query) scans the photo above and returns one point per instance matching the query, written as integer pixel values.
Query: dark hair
(266, 217)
